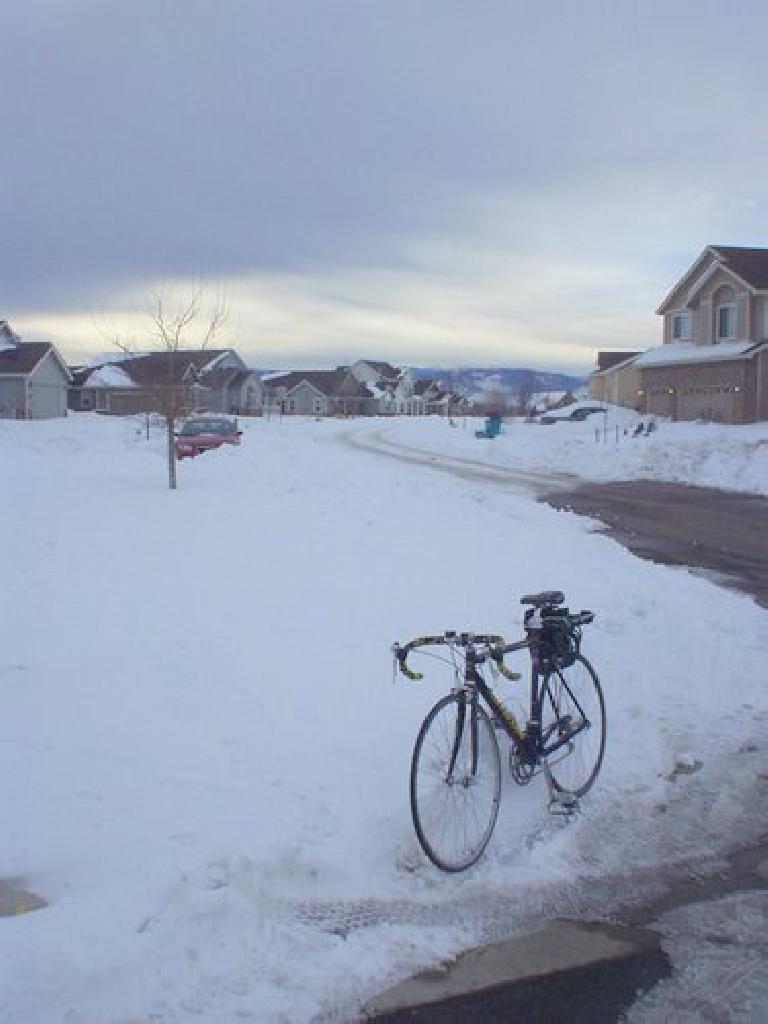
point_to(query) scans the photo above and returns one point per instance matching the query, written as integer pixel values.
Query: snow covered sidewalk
(206, 762)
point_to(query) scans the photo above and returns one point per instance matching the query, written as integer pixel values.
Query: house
(406, 395)
(318, 393)
(368, 371)
(216, 380)
(438, 400)
(33, 378)
(713, 362)
(364, 389)
(616, 379)
(544, 401)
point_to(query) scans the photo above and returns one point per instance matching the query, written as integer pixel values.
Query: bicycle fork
(461, 716)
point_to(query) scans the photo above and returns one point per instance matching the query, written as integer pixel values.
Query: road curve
(377, 443)
(723, 534)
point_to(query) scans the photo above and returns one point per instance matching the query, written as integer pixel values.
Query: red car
(201, 433)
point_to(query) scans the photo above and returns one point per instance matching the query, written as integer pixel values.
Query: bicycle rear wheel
(572, 705)
(454, 802)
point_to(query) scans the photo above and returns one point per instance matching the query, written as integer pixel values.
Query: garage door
(707, 403)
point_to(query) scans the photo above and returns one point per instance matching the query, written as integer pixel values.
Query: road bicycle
(455, 784)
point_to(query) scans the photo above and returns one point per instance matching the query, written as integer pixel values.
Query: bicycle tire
(574, 693)
(454, 820)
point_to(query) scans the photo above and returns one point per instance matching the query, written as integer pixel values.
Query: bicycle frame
(529, 742)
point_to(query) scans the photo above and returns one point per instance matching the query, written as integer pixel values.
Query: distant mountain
(478, 382)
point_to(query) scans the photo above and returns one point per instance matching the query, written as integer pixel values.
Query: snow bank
(730, 457)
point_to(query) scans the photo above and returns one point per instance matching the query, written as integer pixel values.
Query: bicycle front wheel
(455, 783)
(573, 711)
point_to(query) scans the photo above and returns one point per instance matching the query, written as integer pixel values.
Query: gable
(23, 359)
(742, 267)
(749, 265)
(51, 369)
(304, 386)
(676, 297)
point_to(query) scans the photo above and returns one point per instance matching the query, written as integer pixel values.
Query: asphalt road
(722, 533)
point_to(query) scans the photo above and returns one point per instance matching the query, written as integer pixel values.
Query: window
(726, 322)
(681, 327)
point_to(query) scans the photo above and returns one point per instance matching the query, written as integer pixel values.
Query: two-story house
(713, 363)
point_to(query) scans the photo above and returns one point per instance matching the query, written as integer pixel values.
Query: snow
(205, 761)
(543, 400)
(719, 951)
(109, 376)
(688, 352)
(602, 448)
(566, 410)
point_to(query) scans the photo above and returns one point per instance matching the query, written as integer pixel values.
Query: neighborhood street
(720, 532)
(672, 523)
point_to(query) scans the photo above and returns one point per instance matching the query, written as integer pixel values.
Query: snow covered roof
(109, 376)
(688, 352)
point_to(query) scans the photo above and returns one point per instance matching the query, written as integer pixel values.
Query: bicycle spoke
(572, 710)
(454, 815)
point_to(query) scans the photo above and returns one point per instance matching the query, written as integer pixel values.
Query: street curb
(580, 971)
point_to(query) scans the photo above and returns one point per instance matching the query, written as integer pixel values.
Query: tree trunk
(169, 422)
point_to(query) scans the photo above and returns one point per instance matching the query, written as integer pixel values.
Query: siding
(47, 390)
(12, 397)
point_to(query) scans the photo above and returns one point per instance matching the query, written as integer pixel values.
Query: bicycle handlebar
(496, 649)
(495, 644)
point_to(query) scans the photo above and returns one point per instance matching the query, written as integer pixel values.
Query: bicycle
(455, 783)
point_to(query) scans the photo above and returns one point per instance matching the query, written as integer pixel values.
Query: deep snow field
(205, 760)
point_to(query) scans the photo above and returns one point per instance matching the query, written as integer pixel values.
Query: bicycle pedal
(565, 805)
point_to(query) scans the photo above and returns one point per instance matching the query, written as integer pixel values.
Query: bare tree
(173, 323)
(524, 396)
(494, 401)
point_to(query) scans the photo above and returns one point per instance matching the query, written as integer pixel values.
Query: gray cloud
(242, 137)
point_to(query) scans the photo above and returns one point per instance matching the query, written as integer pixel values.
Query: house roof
(751, 265)
(111, 375)
(606, 360)
(385, 369)
(327, 382)
(681, 352)
(24, 357)
(146, 370)
(8, 337)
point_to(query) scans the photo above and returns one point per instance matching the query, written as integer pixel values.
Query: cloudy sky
(426, 181)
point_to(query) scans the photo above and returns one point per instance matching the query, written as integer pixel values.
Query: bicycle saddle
(547, 598)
